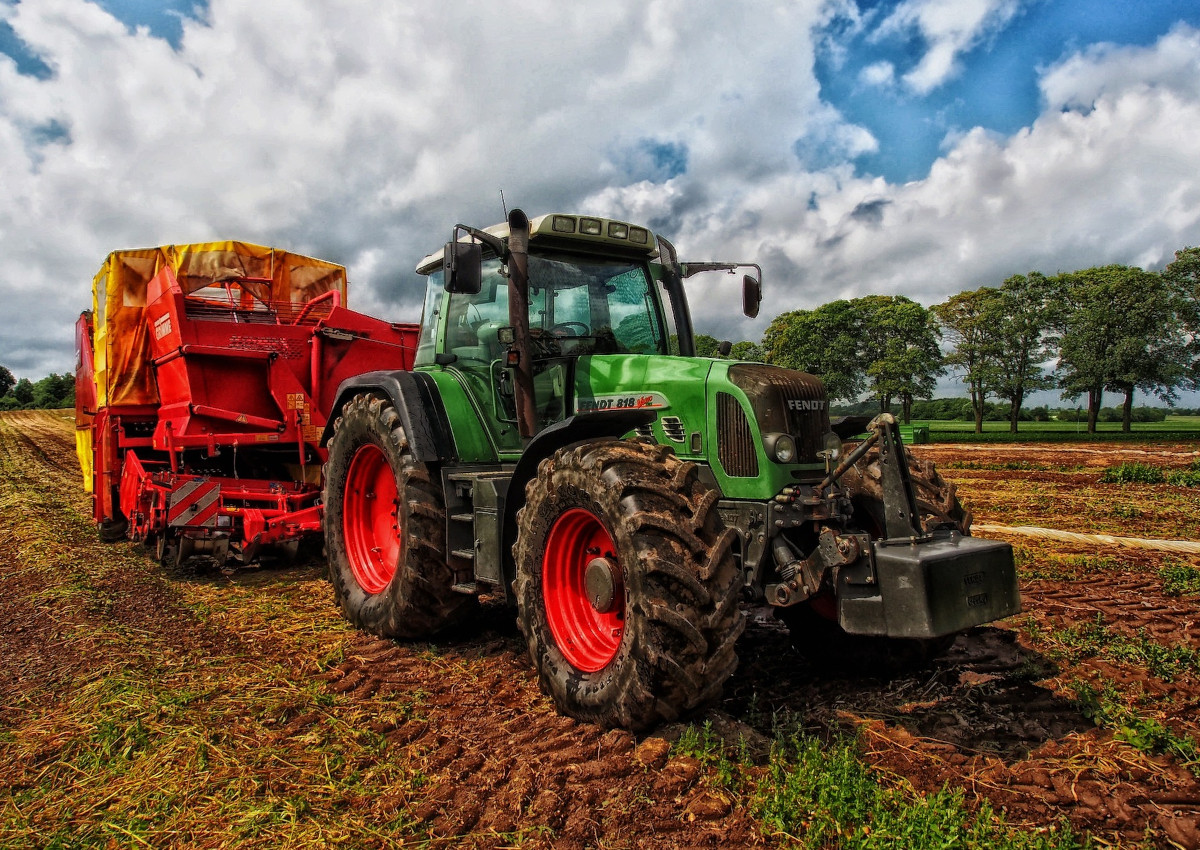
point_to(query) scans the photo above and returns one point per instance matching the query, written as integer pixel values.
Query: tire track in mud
(499, 759)
(40, 449)
(61, 584)
(499, 767)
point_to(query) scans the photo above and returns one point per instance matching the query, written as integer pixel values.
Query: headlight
(833, 445)
(780, 447)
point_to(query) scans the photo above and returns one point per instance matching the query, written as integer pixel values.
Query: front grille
(735, 442)
(786, 401)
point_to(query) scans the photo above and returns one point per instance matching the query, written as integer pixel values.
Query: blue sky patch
(28, 62)
(164, 18)
(995, 87)
(654, 160)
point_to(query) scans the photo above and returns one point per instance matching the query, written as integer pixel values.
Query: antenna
(503, 205)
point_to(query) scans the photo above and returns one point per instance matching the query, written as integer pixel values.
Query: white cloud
(949, 29)
(362, 132)
(1118, 182)
(878, 74)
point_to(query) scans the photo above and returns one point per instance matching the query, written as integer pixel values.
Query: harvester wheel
(385, 528)
(627, 590)
(113, 529)
(813, 625)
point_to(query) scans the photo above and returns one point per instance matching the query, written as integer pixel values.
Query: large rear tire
(385, 528)
(627, 589)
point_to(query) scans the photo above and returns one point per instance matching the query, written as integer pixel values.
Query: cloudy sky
(919, 147)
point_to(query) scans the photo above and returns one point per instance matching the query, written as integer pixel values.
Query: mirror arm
(494, 242)
(690, 269)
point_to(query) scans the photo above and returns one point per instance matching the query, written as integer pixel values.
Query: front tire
(385, 528)
(627, 589)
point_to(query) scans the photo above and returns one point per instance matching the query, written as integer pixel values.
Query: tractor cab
(593, 288)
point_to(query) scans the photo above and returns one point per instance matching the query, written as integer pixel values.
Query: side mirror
(751, 295)
(462, 267)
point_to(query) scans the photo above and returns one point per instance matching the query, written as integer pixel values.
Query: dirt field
(139, 708)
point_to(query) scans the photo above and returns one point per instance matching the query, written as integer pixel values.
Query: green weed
(818, 793)
(1180, 579)
(1046, 565)
(1133, 473)
(1145, 473)
(1094, 639)
(706, 747)
(821, 794)
(1126, 512)
(1103, 707)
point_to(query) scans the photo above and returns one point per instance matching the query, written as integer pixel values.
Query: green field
(1173, 429)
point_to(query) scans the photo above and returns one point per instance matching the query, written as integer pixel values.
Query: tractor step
(469, 588)
(466, 554)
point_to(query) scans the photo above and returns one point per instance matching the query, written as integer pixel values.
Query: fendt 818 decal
(640, 401)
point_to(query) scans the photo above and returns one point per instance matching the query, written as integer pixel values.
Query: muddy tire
(385, 527)
(813, 625)
(937, 500)
(113, 530)
(627, 590)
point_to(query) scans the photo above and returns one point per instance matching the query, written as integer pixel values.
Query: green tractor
(558, 446)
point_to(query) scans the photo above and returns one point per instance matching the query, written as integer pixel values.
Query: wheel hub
(601, 581)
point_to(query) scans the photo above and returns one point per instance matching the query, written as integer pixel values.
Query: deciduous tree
(966, 320)
(1120, 329)
(1020, 318)
(824, 341)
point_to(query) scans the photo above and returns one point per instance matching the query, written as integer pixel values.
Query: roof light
(590, 226)
(563, 224)
(617, 230)
(639, 235)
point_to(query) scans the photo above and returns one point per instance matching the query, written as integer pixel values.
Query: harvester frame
(203, 379)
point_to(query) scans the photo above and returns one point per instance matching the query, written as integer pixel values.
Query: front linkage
(886, 562)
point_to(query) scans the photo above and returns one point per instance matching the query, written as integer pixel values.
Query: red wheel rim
(369, 519)
(587, 638)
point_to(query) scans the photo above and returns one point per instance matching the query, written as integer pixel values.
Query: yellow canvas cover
(122, 344)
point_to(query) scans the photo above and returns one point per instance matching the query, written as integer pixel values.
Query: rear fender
(417, 401)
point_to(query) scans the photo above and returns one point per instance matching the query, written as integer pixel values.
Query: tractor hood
(726, 414)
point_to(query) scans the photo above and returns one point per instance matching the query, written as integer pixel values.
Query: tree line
(1115, 329)
(51, 392)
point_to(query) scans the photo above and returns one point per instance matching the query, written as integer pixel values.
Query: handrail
(333, 294)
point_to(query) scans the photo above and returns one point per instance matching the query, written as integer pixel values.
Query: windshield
(576, 305)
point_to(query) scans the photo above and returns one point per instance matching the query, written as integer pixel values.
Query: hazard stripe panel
(195, 503)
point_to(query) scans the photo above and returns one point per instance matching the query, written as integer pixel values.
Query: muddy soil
(996, 715)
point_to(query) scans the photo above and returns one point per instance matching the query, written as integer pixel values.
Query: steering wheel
(544, 344)
(570, 329)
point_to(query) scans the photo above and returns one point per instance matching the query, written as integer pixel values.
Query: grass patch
(1038, 564)
(1133, 473)
(1094, 639)
(1145, 473)
(817, 793)
(1180, 579)
(822, 794)
(1103, 706)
